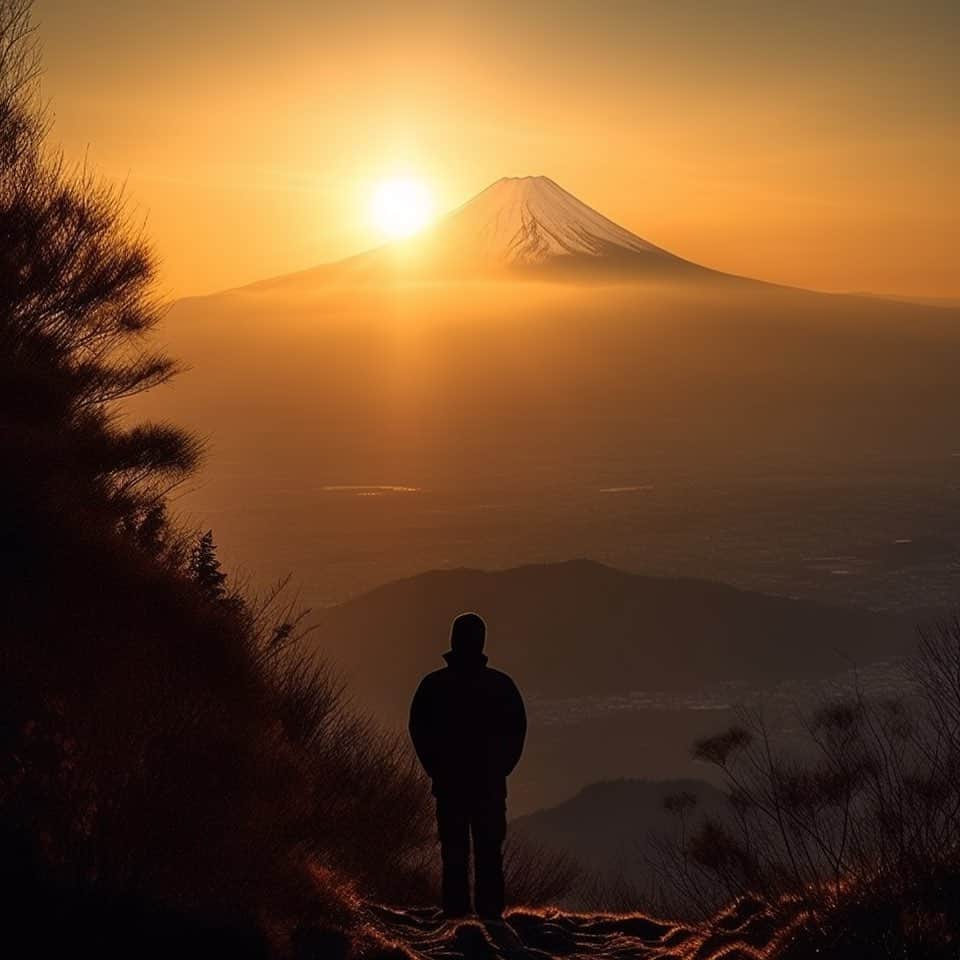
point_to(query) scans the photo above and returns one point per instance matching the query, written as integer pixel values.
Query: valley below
(785, 443)
(672, 496)
(777, 440)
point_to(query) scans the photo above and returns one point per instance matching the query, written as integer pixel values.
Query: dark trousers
(485, 818)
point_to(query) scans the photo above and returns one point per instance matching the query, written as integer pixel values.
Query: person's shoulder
(434, 677)
(430, 687)
(500, 678)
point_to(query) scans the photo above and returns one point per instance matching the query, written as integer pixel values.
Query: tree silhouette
(76, 302)
(205, 568)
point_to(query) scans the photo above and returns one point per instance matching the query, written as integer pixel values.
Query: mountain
(582, 629)
(621, 672)
(613, 827)
(518, 226)
(532, 225)
(523, 221)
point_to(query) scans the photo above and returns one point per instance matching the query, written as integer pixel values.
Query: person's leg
(489, 825)
(453, 825)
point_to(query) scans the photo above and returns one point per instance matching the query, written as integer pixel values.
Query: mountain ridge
(621, 672)
(516, 227)
(529, 603)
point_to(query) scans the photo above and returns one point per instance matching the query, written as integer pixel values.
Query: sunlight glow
(401, 206)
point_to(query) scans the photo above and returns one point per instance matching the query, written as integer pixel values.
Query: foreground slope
(746, 931)
(856, 929)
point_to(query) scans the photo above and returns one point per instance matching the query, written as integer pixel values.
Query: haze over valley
(439, 403)
(528, 383)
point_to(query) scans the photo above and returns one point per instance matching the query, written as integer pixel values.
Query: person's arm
(516, 728)
(421, 728)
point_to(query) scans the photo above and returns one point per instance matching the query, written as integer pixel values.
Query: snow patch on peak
(532, 220)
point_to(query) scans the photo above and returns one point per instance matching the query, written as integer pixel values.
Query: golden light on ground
(401, 206)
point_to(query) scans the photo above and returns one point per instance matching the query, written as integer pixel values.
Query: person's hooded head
(467, 636)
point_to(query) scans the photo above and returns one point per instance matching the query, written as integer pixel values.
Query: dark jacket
(468, 724)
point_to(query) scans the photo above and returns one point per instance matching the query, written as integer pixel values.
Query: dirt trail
(746, 931)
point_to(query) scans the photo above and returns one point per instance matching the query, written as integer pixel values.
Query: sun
(401, 206)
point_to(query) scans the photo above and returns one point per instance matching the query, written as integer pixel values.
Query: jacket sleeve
(515, 728)
(422, 728)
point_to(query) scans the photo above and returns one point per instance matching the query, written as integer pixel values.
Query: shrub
(862, 817)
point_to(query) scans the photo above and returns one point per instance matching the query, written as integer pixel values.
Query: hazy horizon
(813, 147)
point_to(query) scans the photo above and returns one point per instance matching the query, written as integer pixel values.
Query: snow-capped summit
(527, 227)
(532, 220)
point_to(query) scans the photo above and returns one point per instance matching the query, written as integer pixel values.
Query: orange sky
(814, 144)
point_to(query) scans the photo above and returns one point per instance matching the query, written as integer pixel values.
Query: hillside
(612, 827)
(621, 671)
(582, 629)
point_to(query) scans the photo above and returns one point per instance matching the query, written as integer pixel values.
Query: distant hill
(620, 671)
(582, 629)
(612, 826)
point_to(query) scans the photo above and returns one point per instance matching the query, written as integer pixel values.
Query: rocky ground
(747, 931)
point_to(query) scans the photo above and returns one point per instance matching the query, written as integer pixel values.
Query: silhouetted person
(468, 725)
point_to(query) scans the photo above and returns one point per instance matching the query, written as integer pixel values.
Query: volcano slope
(517, 228)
